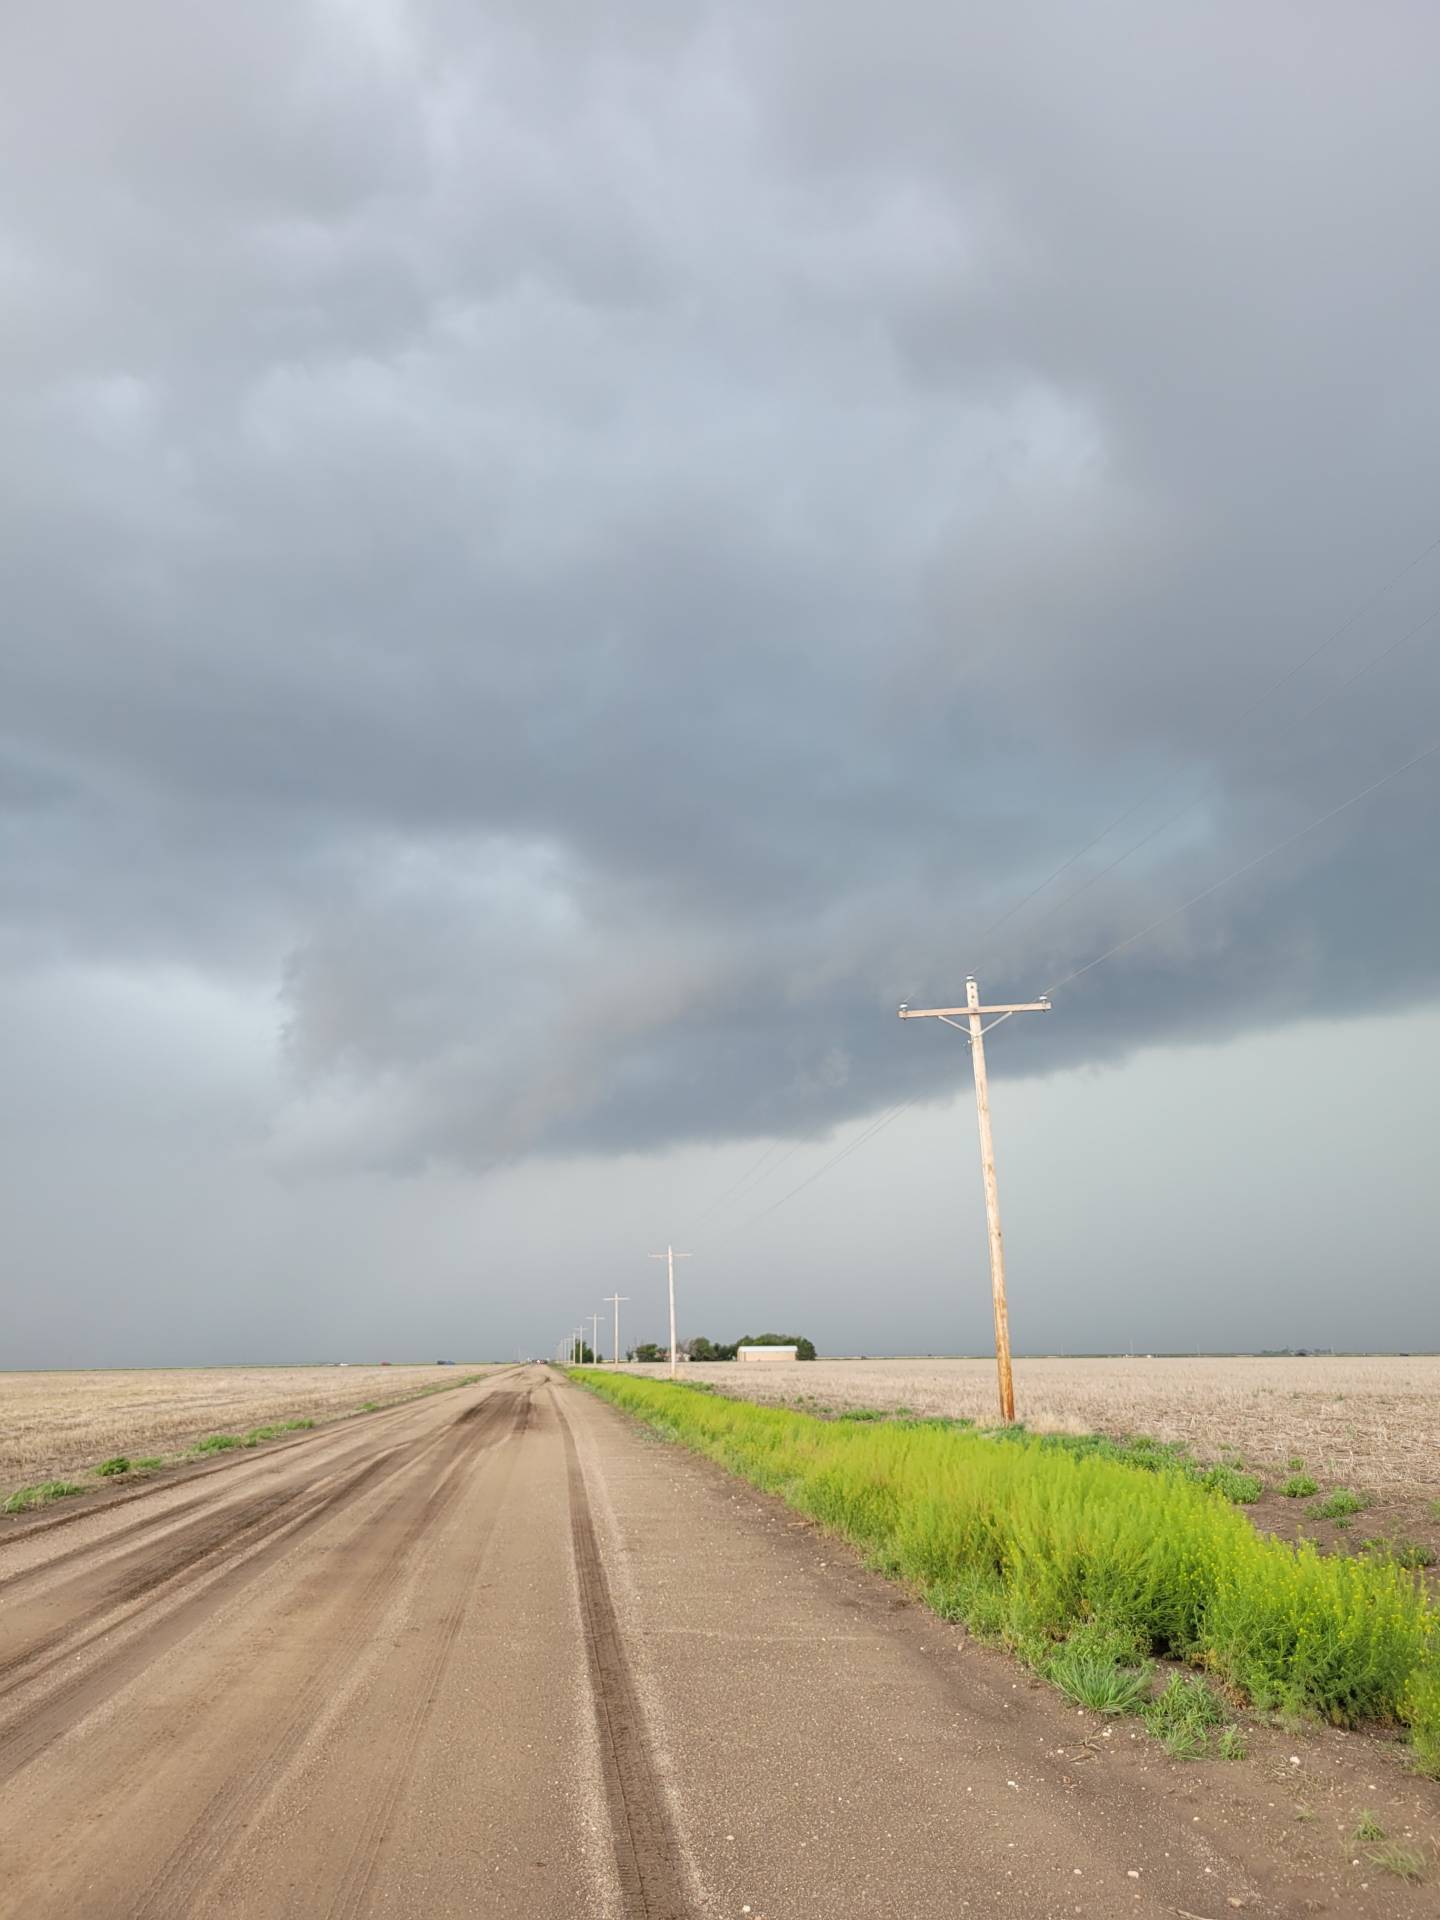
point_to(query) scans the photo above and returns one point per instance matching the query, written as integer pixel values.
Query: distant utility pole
(670, 1257)
(615, 1299)
(579, 1338)
(975, 1014)
(594, 1339)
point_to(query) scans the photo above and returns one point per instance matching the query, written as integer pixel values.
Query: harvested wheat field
(59, 1423)
(1367, 1420)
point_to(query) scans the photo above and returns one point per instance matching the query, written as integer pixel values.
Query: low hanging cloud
(587, 554)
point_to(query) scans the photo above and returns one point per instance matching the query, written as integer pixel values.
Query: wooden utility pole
(670, 1257)
(594, 1339)
(975, 1015)
(615, 1299)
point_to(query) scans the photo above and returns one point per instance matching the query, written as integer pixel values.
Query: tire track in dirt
(647, 1851)
(173, 1890)
(100, 1502)
(172, 1550)
(159, 1525)
(138, 1575)
(27, 1734)
(239, 1565)
(351, 1897)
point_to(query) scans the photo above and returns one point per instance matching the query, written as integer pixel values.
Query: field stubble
(59, 1423)
(1366, 1420)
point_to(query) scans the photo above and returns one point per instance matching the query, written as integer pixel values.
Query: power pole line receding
(670, 1257)
(974, 1014)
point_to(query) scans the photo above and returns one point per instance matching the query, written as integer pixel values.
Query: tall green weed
(1029, 1541)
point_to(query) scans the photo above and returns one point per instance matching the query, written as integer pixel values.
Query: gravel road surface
(498, 1652)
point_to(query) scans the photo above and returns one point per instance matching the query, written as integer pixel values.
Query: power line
(867, 1133)
(744, 1180)
(1248, 867)
(1273, 687)
(1190, 805)
(768, 1174)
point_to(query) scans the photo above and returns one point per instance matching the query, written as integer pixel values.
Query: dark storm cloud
(591, 550)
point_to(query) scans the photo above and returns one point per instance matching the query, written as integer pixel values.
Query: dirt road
(498, 1653)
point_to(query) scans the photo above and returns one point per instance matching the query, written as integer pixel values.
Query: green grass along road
(1039, 1546)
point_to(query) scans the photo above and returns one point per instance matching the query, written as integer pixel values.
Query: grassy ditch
(1039, 1546)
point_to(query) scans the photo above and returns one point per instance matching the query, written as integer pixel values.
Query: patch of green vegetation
(1240, 1489)
(26, 1499)
(1182, 1715)
(849, 1413)
(218, 1443)
(1299, 1487)
(1295, 1463)
(152, 1463)
(1231, 1744)
(1406, 1863)
(117, 1463)
(1340, 1504)
(1421, 1708)
(1412, 1554)
(370, 1406)
(258, 1434)
(1028, 1542)
(1367, 1831)
(1097, 1681)
(1138, 1450)
(937, 1422)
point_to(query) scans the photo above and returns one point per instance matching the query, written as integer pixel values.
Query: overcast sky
(560, 559)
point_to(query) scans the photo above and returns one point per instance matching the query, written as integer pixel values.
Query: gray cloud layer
(590, 550)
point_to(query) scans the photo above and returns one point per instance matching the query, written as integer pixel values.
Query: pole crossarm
(947, 1013)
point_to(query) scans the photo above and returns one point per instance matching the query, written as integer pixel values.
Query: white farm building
(763, 1355)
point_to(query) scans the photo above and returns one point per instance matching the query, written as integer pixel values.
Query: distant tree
(804, 1349)
(700, 1348)
(647, 1353)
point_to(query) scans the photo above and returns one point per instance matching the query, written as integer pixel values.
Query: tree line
(701, 1348)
